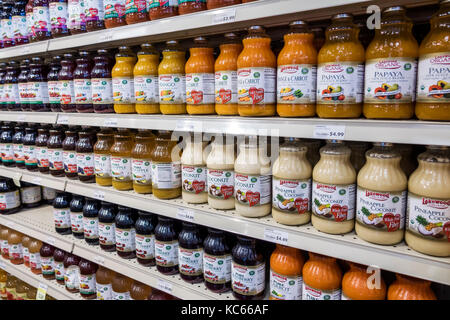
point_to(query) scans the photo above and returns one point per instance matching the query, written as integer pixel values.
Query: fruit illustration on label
(323, 209)
(333, 94)
(375, 219)
(288, 94)
(195, 186)
(427, 228)
(439, 91)
(387, 91)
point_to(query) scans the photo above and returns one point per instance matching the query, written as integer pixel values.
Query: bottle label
(54, 95)
(145, 246)
(433, 75)
(200, 88)
(133, 6)
(340, 82)
(7, 152)
(256, 85)
(15, 251)
(248, 280)
(194, 179)
(11, 93)
(253, 190)
(285, 287)
(82, 90)
(291, 195)
(190, 261)
(87, 284)
(172, 89)
(102, 165)
(58, 15)
(94, 11)
(26, 255)
(296, 83)
(90, 226)
(72, 277)
(9, 200)
(47, 265)
(38, 92)
(121, 295)
(310, 293)
(163, 3)
(62, 218)
(146, 89)
(7, 29)
(77, 18)
(5, 248)
(428, 218)
(104, 291)
(30, 23)
(19, 156)
(76, 220)
(390, 80)
(42, 157)
(166, 175)
(379, 210)
(56, 159)
(114, 9)
(70, 161)
(59, 270)
(48, 193)
(102, 91)
(334, 202)
(220, 183)
(67, 91)
(123, 90)
(19, 24)
(226, 87)
(85, 164)
(23, 92)
(125, 240)
(120, 168)
(166, 253)
(107, 233)
(35, 261)
(41, 19)
(30, 155)
(141, 171)
(217, 269)
(31, 194)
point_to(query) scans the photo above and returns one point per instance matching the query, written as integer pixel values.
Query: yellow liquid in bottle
(121, 161)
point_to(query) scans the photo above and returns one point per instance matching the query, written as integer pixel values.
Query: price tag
(50, 240)
(41, 291)
(224, 16)
(21, 118)
(37, 180)
(99, 260)
(106, 36)
(276, 236)
(99, 195)
(2, 265)
(185, 214)
(63, 120)
(329, 132)
(190, 126)
(164, 286)
(110, 122)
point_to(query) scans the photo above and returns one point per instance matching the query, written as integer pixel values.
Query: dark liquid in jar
(11, 87)
(186, 7)
(106, 219)
(62, 201)
(65, 84)
(145, 229)
(90, 225)
(43, 161)
(166, 236)
(70, 154)
(82, 83)
(115, 15)
(7, 152)
(47, 251)
(76, 207)
(71, 262)
(19, 157)
(125, 245)
(59, 18)
(85, 157)
(157, 11)
(136, 11)
(22, 81)
(101, 83)
(29, 149)
(19, 23)
(37, 85)
(58, 257)
(95, 15)
(216, 246)
(53, 89)
(191, 245)
(87, 270)
(42, 27)
(55, 152)
(7, 186)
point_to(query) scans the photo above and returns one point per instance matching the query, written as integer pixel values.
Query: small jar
(145, 238)
(77, 16)
(101, 82)
(107, 226)
(85, 157)
(126, 233)
(166, 246)
(90, 221)
(76, 216)
(6, 146)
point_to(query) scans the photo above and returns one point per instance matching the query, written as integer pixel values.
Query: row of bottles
(342, 80)
(13, 288)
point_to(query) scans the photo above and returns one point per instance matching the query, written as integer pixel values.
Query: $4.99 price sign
(329, 132)
(276, 236)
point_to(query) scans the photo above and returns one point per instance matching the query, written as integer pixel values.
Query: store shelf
(54, 289)
(36, 48)
(21, 116)
(45, 180)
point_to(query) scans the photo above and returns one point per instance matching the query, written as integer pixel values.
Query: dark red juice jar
(41, 13)
(107, 226)
(43, 161)
(19, 22)
(166, 246)
(85, 156)
(101, 83)
(82, 83)
(190, 253)
(11, 89)
(55, 152)
(54, 95)
(29, 148)
(87, 279)
(6, 24)
(59, 18)
(22, 83)
(37, 86)
(70, 153)
(65, 83)
(95, 15)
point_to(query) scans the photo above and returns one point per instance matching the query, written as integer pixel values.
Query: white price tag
(185, 214)
(164, 286)
(63, 120)
(50, 240)
(37, 180)
(329, 132)
(224, 16)
(276, 236)
(112, 122)
(99, 195)
(106, 36)
(41, 291)
(99, 260)
(2, 265)
(21, 118)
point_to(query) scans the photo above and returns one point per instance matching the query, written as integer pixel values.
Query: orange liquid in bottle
(146, 80)
(140, 291)
(409, 288)
(122, 81)
(355, 284)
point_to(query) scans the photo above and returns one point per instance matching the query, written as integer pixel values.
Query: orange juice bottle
(172, 80)
(358, 285)
(122, 81)
(146, 89)
(256, 75)
(226, 76)
(433, 86)
(286, 266)
(321, 278)
(200, 78)
(340, 72)
(297, 72)
(391, 65)
(409, 288)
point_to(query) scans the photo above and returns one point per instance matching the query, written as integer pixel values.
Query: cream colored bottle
(220, 175)
(252, 180)
(428, 209)
(381, 196)
(291, 185)
(334, 190)
(193, 170)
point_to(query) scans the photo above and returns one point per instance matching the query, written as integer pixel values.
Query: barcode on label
(51, 240)
(164, 286)
(42, 291)
(224, 16)
(185, 214)
(276, 236)
(110, 122)
(99, 195)
(63, 120)
(329, 132)
(99, 260)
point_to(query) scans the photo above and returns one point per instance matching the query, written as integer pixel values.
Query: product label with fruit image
(146, 89)
(104, 291)
(253, 190)
(220, 183)
(107, 233)
(226, 87)
(291, 195)
(296, 83)
(90, 226)
(9, 200)
(285, 287)
(193, 179)
(390, 80)
(76, 220)
(381, 210)
(428, 218)
(257, 85)
(310, 293)
(166, 253)
(87, 284)
(47, 265)
(190, 261)
(59, 271)
(433, 85)
(340, 82)
(172, 88)
(145, 246)
(15, 251)
(199, 88)
(248, 280)
(217, 269)
(333, 202)
(125, 240)
(62, 218)
(102, 91)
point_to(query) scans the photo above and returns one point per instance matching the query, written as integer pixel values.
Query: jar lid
(302, 23)
(102, 51)
(13, 64)
(340, 16)
(256, 29)
(395, 9)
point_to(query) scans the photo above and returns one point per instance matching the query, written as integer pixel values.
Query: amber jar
(85, 157)
(136, 11)
(121, 160)
(114, 13)
(102, 157)
(166, 10)
(55, 152)
(42, 150)
(141, 166)
(214, 4)
(191, 6)
(69, 152)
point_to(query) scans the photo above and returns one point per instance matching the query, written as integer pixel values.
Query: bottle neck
(293, 39)
(201, 52)
(262, 43)
(230, 48)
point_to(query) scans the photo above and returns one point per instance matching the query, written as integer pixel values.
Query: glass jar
(107, 226)
(48, 195)
(190, 253)
(145, 72)
(191, 6)
(121, 160)
(136, 11)
(43, 161)
(102, 95)
(22, 83)
(65, 83)
(47, 261)
(145, 238)
(410, 288)
(37, 85)
(85, 157)
(59, 18)
(90, 221)
(166, 246)
(114, 13)
(123, 81)
(61, 212)
(163, 9)
(41, 13)
(6, 24)
(11, 89)
(82, 83)
(126, 233)
(52, 82)
(29, 149)
(102, 157)
(141, 166)
(9, 196)
(19, 23)
(217, 261)
(76, 216)
(55, 152)
(87, 279)
(72, 273)
(95, 15)
(6, 146)
(2, 84)
(17, 140)
(69, 152)
(77, 16)
(30, 21)
(30, 195)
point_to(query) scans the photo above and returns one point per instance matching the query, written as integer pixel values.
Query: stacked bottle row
(12, 288)
(25, 21)
(78, 275)
(342, 80)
